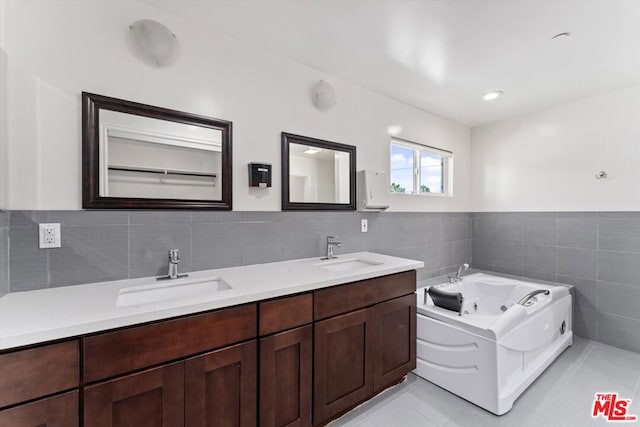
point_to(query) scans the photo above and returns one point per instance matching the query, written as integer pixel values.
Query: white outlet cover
(364, 225)
(50, 236)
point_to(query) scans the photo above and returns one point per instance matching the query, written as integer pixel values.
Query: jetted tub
(497, 347)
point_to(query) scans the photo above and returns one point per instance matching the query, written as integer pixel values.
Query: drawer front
(353, 296)
(57, 411)
(127, 350)
(29, 374)
(285, 313)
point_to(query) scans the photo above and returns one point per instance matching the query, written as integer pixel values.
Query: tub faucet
(457, 277)
(525, 299)
(331, 243)
(174, 260)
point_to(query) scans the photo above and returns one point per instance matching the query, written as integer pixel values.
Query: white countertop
(50, 314)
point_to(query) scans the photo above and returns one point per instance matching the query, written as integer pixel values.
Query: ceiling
(443, 55)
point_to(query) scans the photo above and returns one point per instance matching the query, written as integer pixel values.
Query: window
(418, 169)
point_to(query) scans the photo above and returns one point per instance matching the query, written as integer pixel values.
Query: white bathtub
(492, 352)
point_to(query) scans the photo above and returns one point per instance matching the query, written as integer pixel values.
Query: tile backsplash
(597, 252)
(111, 245)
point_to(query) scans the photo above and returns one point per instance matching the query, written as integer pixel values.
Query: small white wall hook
(602, 175)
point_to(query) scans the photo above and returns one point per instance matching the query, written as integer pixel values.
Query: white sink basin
(172, 290)
(346, 264)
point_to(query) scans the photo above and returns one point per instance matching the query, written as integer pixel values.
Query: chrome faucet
(525, 299)
(174, 260)
(457, 277)
(331, 243)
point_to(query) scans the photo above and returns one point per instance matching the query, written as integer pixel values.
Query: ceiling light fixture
(153, 43)
(311, 151)
(561, 35)
(490, 96)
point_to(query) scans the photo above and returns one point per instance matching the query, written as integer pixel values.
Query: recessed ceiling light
(492, 95)
(311, 151)
(561, 35)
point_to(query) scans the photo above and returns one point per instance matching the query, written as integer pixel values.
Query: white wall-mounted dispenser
(373, 191)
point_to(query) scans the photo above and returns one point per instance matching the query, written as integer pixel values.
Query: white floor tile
(562, 396)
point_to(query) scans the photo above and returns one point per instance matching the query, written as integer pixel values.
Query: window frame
(447, 167)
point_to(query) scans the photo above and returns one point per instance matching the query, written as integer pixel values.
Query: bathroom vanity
(300, 348)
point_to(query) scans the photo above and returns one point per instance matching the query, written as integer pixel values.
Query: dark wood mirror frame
(91, 198)
(288, 138)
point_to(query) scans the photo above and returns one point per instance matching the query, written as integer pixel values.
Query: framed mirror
(317, 174)
(137, 156)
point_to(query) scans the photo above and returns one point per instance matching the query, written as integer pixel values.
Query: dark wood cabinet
(395, 355)
(221, 388)
(57, 411)
(152, 398)
(28, 374)
(316, 355)
(371, 347)
(343, 364)
(286, 378)
(114, 353)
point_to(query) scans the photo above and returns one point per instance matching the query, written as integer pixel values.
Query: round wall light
(323, 96)
(394, 130)
(153, 43)
(490, 96)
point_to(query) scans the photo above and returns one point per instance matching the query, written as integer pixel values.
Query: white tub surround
(492, 352)
(50, 314)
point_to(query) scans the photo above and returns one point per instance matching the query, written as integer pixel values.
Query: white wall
(547, 161)
(4, 144)
(58, 49)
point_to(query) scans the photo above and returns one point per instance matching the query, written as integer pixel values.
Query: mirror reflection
(138, 156)
(143, 157)
(318, 175)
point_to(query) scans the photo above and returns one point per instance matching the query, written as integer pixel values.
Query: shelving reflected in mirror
(139, 156)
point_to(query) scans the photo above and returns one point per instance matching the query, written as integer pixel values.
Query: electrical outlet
(364, 225)
(50, 236)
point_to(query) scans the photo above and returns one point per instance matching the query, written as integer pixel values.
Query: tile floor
(562, 396)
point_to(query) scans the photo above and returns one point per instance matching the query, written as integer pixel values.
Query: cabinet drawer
(115, 353)
(353, 296)
(57, 411)
(29, 374)
(285, 313)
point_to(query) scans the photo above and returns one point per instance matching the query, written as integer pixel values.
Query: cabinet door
(221, 388)
(395, 322)
(343, 368)
(285, 378)
(152, 398)
(57, 411)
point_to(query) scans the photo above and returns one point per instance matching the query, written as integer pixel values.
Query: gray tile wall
(597, 252)
(112, 245)
(4, 253)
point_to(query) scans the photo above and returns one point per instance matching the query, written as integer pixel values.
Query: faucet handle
(174, 255)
